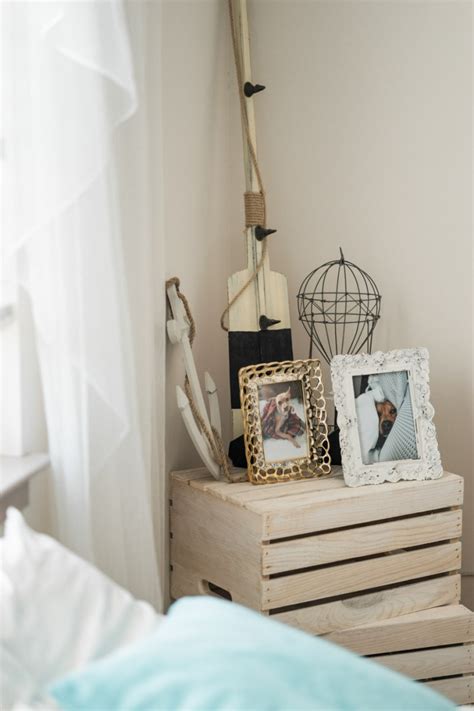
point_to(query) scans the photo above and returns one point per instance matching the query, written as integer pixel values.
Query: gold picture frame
(284, 414)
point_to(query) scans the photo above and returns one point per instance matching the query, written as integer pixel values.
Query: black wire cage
(339, 307)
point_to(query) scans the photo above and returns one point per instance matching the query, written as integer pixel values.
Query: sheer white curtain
(76, 228)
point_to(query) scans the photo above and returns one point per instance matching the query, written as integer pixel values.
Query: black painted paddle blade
(252, 348)
(237, 452)
(335, 447)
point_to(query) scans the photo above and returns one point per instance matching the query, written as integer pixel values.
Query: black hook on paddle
(251, 89)
(262, 232)
(264, 322)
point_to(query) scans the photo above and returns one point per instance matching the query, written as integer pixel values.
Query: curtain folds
(77, 229)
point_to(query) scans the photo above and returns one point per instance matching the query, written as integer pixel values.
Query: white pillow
(58, 612)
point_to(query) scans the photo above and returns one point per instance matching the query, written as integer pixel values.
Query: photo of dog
(282, 416)
(385, 417)
(387, 413)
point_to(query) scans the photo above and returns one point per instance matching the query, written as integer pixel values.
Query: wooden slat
(190, 475)
(459, 689)
(288, 488)
(375, 606)
(359, 542)
(242, 492)
(215, 546)
(184, 582)
(221, 489)
(322, 504)
(323, 510)
(360, 575)
(440, 626)
(430, 663)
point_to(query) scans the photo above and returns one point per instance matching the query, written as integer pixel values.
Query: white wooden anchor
(178, 329)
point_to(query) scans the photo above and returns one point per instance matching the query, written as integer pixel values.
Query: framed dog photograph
(385, 417)
(284, 417)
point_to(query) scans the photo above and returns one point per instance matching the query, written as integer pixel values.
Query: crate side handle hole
(208, 588)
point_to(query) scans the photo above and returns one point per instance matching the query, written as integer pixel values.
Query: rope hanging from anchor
(212, 436)
(255, 202)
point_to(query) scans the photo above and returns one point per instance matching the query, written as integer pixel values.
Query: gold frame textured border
(318, 463)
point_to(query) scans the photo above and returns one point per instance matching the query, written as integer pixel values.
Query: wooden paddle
(259, 319)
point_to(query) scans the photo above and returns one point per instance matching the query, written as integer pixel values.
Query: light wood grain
(352, 543)
(459, 689)
(374, 606)
(222, 489)
(190, 474)
(285, 489)
(293, 494)
(324, 510)
(361, 575)
(273, 299)
(237, 422)
(431, 663)
(238, 493)
(440, 626)
(210, 543)
(233, 535)
(183, 582)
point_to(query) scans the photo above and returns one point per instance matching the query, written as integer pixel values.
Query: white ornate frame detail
(416, 362)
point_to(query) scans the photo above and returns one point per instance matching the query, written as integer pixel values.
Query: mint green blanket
(211, 655)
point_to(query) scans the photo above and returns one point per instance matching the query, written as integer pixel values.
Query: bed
(73, 640)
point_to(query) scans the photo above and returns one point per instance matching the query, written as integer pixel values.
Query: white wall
(364, 136)
(200, 216)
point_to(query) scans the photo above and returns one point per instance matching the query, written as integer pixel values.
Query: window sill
(15, 475)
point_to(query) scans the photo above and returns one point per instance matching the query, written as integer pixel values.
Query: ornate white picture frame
(382, 440)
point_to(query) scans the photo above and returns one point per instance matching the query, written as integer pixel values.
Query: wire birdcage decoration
(339, 307)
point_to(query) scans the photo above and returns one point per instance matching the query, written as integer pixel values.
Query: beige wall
(365, 141)
(199, 221)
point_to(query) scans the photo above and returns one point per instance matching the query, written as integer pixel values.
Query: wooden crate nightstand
(317, 554)
(321, 556)
(434, 646)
